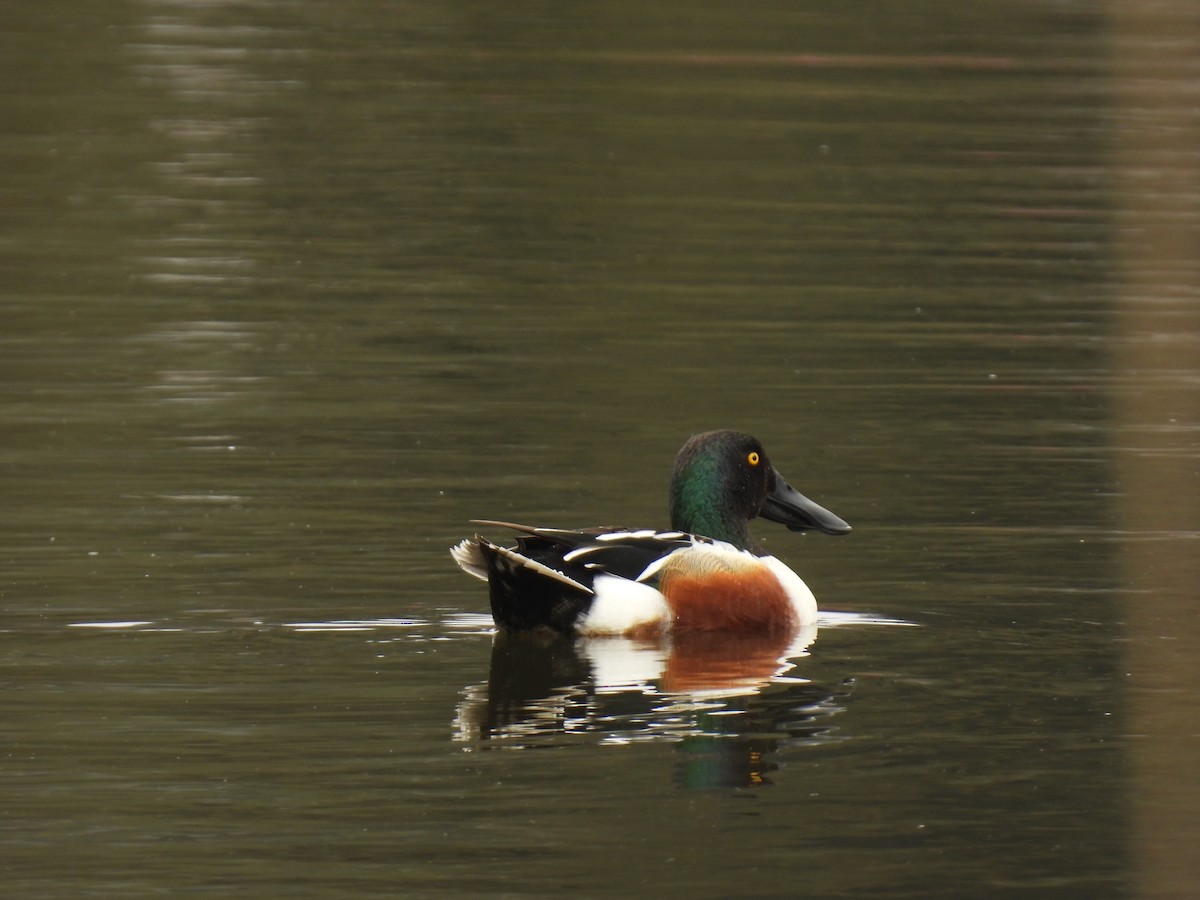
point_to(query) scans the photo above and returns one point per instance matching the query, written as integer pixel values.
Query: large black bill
(789, 507)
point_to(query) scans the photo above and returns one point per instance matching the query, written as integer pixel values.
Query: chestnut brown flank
(749, 600)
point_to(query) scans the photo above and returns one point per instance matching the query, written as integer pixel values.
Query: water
(293, 291)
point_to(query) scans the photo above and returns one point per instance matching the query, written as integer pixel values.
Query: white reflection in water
(729, 700)
(214, 75)
(216, 352)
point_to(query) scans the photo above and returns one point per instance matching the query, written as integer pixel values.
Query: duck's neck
(694, 508)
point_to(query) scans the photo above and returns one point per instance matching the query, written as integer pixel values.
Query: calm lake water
(292, 291)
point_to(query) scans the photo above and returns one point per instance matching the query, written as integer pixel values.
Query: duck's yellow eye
(752, 458)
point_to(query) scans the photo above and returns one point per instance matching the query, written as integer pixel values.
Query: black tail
(527, 594)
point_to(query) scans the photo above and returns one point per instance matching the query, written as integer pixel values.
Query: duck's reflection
(727, 701)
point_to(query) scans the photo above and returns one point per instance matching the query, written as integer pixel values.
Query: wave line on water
(355, 624)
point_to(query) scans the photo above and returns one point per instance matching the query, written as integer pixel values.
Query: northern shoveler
(706, 574)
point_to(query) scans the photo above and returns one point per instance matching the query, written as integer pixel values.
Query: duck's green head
(723, 479)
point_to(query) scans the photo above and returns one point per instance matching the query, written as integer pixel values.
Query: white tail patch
(470, 558)
(622, 605)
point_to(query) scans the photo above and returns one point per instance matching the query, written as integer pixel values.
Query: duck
(706, 573)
